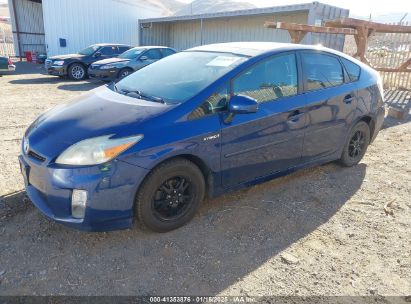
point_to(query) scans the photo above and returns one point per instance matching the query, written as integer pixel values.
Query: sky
(356, 7)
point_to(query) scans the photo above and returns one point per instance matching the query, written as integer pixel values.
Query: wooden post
(361, 39)
(297, 36)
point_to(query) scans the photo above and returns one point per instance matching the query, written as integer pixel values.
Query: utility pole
(402, 19)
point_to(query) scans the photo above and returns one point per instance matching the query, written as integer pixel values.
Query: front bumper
(111, 192)
(57, 70)
(110, 74)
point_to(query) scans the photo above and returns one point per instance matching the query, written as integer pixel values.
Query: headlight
(107, 67)
(58, 62)
(96, 150)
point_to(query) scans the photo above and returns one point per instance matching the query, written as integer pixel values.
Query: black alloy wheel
(170, 195)
(356, 145)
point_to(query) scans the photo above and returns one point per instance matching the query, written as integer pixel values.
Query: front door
(150, 56)
(271, 140)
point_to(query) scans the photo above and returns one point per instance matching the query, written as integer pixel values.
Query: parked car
(128, 62)
(75, 65)
(41, 58)
(6, 65)
(198, 123)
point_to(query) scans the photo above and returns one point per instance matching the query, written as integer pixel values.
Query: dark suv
(75, 65)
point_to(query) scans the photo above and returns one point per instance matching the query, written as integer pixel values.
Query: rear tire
(356, 145)
(170, 195)
(77, 72)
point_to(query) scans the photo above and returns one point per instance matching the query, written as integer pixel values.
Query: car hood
(69, 56)
(97, 113)
(111, 60)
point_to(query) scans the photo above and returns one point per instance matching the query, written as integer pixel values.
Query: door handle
(295, 116)
(348, 99)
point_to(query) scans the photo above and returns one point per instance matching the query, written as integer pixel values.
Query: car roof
(253, 49)
(111, 44)
(151, 47)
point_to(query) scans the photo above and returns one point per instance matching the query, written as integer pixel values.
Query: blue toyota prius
(198, 123)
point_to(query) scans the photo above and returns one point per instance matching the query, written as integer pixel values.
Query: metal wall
(325, 12)
(29, 16)
(185, 32)
(85, 22)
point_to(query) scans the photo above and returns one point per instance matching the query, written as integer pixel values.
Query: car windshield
(90, 50)
(131, 54)
(181, 76)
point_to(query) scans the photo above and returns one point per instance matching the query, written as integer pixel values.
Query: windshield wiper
(151, 97)
(139, 95)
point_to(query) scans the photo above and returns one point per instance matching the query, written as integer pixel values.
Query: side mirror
(240, 104)
(143, 58)
(97, 54)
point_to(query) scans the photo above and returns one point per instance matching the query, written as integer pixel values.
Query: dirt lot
(322, 231)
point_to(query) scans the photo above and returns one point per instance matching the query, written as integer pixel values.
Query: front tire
(170, 195)
(77, 72)
(356, 145)
(124, 73)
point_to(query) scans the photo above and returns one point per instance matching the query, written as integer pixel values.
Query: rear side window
(352, 69)
(321, 71)
(269, 80)
(153, 54)
(109, 50)
(167, 52)
(122, 49)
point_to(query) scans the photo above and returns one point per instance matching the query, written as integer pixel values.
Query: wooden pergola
(360, 29)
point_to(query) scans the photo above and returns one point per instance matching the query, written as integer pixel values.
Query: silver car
(128, 62)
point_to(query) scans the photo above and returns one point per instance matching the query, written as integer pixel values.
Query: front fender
(150, 158)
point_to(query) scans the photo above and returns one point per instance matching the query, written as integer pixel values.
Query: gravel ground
(322, 231)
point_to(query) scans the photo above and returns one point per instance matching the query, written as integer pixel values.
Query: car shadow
(40, 80)
(80, 86)
(231, 237)
(67, 85)
(25, 68)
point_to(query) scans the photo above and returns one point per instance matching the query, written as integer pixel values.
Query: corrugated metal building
(28, 26)
(38, 25)
(182, 32)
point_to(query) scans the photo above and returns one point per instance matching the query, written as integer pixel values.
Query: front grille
(36, 156)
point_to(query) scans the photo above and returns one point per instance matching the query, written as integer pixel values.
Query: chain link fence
(387, 50)
(6, 40)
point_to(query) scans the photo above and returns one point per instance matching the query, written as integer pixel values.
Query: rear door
(122, 49)
(108, 52)
(259, 144)
(331, 103)
(167, 52)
